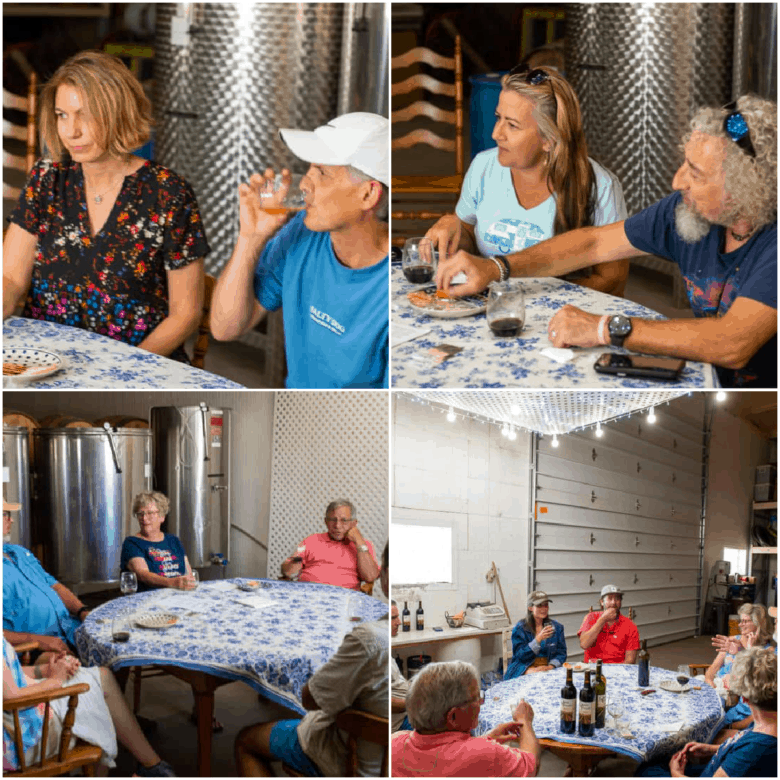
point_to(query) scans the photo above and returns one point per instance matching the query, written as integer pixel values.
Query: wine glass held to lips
(282, 193)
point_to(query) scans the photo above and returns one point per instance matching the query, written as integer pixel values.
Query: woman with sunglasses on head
(102, 239)
(537, 183)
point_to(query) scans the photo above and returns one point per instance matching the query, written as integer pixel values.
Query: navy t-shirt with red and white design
(165, 557)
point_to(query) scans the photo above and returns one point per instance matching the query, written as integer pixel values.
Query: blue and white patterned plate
(26, 365)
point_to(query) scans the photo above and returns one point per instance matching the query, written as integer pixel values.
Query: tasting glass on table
(490, 360)
(272, 639)
(660, 723)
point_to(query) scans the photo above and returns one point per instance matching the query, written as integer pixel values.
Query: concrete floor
(168, 702)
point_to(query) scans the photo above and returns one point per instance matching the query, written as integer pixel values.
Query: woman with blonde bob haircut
(537, 183)
(102, 239)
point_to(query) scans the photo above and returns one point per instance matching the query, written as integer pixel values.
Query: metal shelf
(764, 505)
(764, 551)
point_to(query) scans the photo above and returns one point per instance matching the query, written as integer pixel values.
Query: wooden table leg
(204, 705)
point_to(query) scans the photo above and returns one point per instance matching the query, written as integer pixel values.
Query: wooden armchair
(506, 646)
(445, 186)
(67, 759)
(27, 134)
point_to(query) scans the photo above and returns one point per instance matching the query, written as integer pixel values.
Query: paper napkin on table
(257, 601)
(184, 601)
(673, 727)
(401, 333)
(558, 355)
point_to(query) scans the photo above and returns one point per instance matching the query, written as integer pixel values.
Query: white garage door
(625, 509)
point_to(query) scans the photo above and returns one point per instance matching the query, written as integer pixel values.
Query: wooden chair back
(367, 588)
(204, 329)
(506, 647)
(67, 759)
(447, 186)
(366, 727)
(26, 133)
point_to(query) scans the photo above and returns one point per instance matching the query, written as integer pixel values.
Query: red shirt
(333, 563)
(456, 754)
(613, 642)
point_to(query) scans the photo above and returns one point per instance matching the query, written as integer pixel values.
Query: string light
(555, 441)
(651, 415)
(599, 431)
(515, 409)
(451, 415)
(720, 395)
(512, 433)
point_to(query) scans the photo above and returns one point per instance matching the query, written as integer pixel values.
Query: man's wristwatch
(362, 548)
(619, 328)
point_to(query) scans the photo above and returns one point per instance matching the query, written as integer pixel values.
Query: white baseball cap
(610, 589)
(359, 139)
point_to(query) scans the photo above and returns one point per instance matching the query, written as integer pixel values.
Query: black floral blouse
(114, 282)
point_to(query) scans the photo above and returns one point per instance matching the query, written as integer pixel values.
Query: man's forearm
(631, 656)
(397, 704)
(233, 302)
(368, 571)
(530, 744)
(588, 638)
(705, 340)
(71, 601)
(560, 255)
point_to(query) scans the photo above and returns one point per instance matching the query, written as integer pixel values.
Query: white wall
(250, 455)
(469, 474)
(735, 451)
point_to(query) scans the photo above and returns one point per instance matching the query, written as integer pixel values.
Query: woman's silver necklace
(99, 198)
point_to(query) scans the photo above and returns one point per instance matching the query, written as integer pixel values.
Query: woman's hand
(699, 750)
(678, 763)
(254, 221)
(62, 667)
(445, 235)
(544, 633)
(726, 644)
(183, 582)
(480, 272)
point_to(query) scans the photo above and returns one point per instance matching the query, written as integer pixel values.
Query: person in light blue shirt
(35, 606)
(327, 268)
(538, 642)
(537, 183)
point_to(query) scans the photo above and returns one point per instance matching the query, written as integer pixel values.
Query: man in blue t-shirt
(720, 227)
(327, 268)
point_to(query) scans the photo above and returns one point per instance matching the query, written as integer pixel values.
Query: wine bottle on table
(406, 618)
(568, 705)
(420, 618)
(600, 686)
(587, 716)
(643, 665)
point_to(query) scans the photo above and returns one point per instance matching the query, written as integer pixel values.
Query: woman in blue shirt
(538, 643)
(751, 753)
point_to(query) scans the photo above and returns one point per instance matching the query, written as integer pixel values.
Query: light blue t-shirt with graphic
(502, 226)
(336, 325)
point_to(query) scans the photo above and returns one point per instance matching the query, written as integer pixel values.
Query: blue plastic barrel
(485, 90)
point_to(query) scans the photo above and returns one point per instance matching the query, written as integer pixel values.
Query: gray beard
(691, 226)
(7, 539)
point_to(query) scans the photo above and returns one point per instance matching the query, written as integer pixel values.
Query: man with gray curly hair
(720, 227)
(443, 706)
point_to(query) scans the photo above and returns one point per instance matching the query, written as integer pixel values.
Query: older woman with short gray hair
(750, 753)
(443, 705)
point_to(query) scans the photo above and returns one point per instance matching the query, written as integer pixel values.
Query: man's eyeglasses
(533, 77)
(736, 128)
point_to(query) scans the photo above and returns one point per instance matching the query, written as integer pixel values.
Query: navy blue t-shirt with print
(165, 558)
(748, 754)
(715, 279)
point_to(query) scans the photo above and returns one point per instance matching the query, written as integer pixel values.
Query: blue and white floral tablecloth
(275, 649)
(489, 361)
(700, 711)
(95, 361)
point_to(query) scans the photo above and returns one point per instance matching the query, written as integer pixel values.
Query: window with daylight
(737, 558)
(423, 552)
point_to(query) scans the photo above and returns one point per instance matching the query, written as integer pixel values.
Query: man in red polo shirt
(609, 635)
(339, 557)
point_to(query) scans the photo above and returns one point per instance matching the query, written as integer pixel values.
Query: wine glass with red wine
(419, 260)
(506, 308)
(120, 628)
